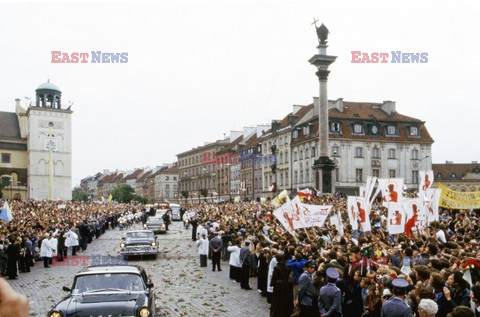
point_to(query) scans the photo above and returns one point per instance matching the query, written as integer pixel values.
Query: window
(306, 130)
(281, 158)
(359, 175)
(6, 181)
(295, 155)
(392, 154)
(167, 186)
(174, 178)
(415, 177)
(357, 128)
(281, 179)
(286, 179)
(376, 152)
(376, 172)
(307, 175)
(5, 157)
(374, 129)
(295, 177)
(391, 173)
(335, 127)
(286, 156)
(413, 131)
(391, 130)
(167, 178)
(306, 153)
(358, 152)
(301, 176)
(454, 175)
(295, 134)
(301, 155)
(313, 152)
(335, 151)
(414, 155)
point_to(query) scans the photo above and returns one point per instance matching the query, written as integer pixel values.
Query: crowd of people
(325, 271)
(48, 230)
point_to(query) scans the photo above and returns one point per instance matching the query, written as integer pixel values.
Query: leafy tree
(78, 194)
(123, 193)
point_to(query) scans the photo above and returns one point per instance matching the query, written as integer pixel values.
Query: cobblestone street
(182, 287)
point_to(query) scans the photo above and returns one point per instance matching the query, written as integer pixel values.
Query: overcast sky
(197, 70)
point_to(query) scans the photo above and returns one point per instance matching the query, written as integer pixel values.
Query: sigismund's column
(323, 166)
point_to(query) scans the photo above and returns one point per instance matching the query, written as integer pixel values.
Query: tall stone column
(323, 166)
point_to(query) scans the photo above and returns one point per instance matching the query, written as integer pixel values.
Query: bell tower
(49, 145)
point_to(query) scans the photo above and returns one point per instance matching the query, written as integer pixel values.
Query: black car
(139, 242)
(156, 224)
(118, 290)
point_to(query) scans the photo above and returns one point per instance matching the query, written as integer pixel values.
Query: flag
(304, 193)
(5, 213)
(110, 197)
(277, 201)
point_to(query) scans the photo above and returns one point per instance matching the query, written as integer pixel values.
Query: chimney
(448, 162)
(234, 135)
(260, 129)
(474, 162)
(296, 108)
(247, 131)
(388, 107)
(337, 104)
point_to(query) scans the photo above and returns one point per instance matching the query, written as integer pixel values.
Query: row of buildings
(155, 184)
(364, 139)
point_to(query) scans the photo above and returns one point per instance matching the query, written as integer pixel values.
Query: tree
(78, 194)
(123, 193)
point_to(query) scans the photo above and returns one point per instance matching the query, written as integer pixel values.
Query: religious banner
(287, 216)
(458, 200)
(396, 218)
(426, 181)
(336, 220)
(392, 190)
(359, 212)
(415, 216)
(431, 204)
(312, 215)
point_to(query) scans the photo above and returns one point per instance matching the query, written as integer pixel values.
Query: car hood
(102, 305)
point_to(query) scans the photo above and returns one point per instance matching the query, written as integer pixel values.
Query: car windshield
(140, 235)
(108, 282)
(155, 220)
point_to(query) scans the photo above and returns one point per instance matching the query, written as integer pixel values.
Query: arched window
(414, 154)
(392, 154)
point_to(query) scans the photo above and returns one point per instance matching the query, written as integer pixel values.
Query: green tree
(123, 193)
(78, 194)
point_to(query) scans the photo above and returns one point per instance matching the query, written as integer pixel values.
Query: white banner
(415, 216)
(425, 182)
(392, 190)
(432, 199)
(359, 212)
(396, 218)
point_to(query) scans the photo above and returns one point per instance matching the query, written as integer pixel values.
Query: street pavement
(182, 287)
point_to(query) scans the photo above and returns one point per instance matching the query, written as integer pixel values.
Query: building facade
(462, 177)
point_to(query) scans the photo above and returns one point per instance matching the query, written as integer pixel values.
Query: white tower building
(49, 146)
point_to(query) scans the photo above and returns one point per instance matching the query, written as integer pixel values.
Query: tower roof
(49, 86)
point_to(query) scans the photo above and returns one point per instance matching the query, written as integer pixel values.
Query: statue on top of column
(322, 33)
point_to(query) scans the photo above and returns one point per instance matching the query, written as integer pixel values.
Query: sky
(197, 70)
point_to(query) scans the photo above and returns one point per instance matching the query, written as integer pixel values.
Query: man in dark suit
(216, 249)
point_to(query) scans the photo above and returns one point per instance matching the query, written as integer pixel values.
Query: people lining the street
(432, 272)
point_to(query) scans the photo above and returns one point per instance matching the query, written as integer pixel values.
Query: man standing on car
(216, 249)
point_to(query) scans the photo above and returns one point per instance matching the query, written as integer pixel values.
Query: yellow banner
(459, 200)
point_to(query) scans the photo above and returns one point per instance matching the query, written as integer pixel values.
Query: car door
(151, 292)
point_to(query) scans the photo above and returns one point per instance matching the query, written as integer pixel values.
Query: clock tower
(49, 145)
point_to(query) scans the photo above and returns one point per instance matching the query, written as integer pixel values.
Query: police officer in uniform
(396, 306)
(306, 291)
(330, 299)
